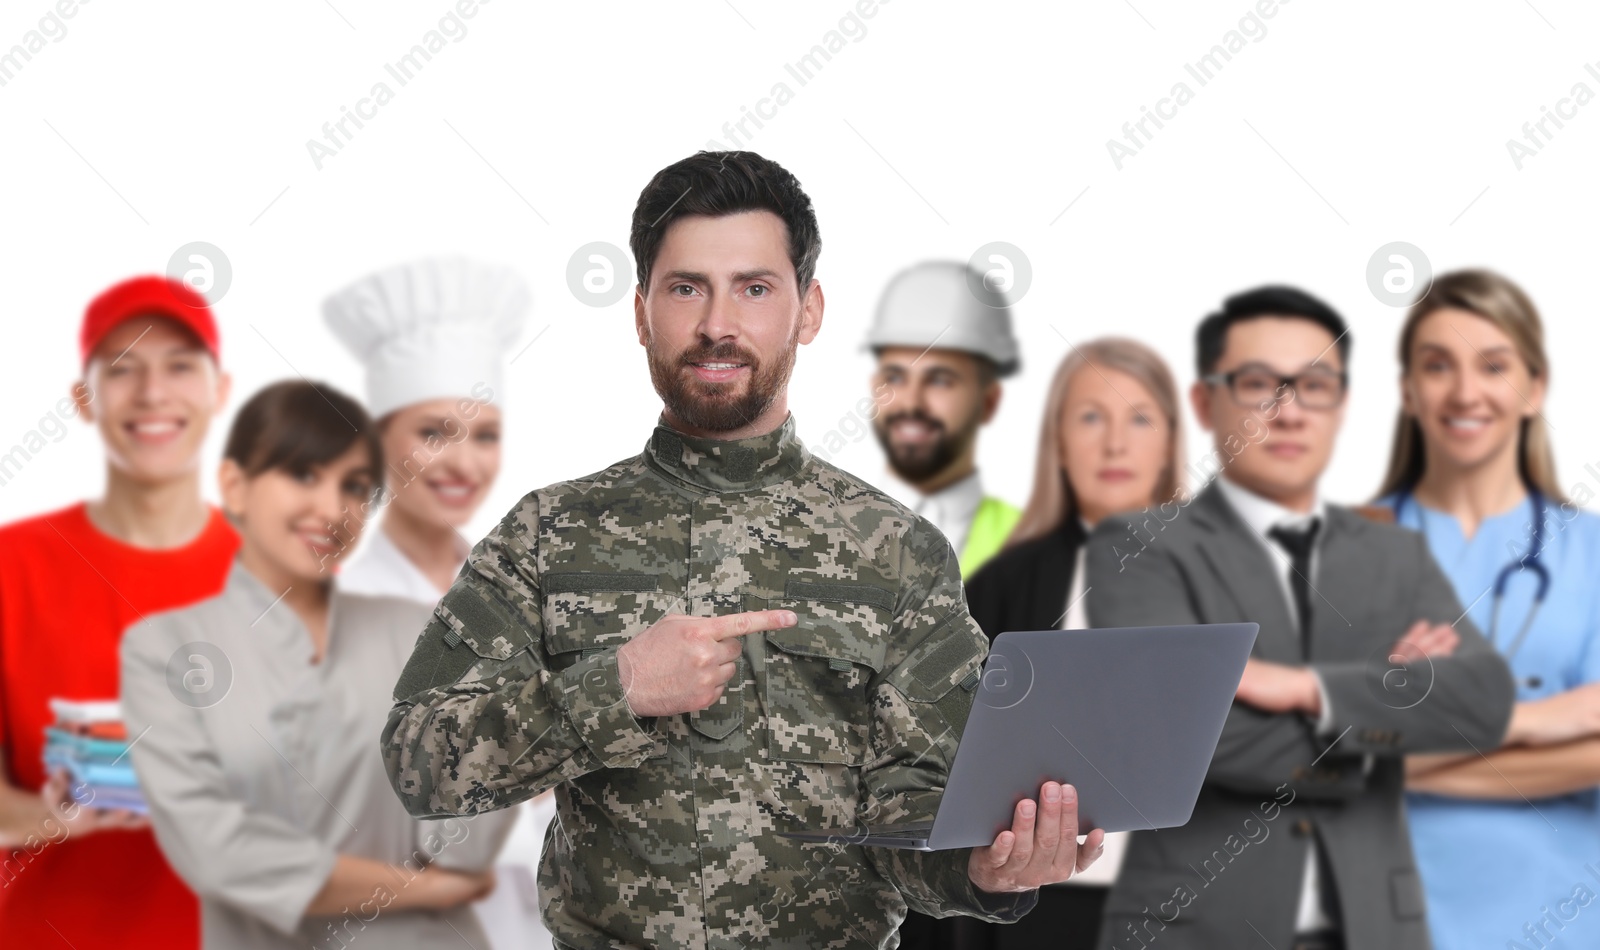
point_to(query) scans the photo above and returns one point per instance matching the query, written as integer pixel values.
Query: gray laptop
(1129, 716)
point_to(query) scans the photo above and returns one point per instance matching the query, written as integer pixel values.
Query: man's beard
(718, 407)
(917, 464)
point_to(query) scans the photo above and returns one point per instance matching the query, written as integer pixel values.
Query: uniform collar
(727, 466)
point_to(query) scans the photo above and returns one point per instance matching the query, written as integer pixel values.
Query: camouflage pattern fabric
(667, 826)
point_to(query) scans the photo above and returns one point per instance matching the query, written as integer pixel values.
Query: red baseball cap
(151, 295)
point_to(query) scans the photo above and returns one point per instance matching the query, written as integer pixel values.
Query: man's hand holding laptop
(1041, 846)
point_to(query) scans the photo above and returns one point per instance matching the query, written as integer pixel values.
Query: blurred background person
(257, 708)
(71, 581)
(1472, 469)
(433, 336)
(1111, 441)
(1298, 838)
(941, 355)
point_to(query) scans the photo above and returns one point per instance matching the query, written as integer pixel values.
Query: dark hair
(1270, 301)
(296, 425)
(722, 183)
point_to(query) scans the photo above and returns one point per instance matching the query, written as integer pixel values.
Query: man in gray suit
(1298, 839)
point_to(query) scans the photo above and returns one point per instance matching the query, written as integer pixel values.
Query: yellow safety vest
(990, 528)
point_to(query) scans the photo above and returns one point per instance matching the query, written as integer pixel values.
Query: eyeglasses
(1258, 387)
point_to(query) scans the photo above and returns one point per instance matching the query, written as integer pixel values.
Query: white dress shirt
(951, 508)
(1261, 515)
(1076, 615)
(1103, 873)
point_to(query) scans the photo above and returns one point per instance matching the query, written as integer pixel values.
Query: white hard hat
(937, 304)
(430, 329)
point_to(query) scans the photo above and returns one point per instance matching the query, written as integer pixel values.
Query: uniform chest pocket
(585, 613)
(816, 673)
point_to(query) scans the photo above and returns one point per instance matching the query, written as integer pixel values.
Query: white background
(943, 127)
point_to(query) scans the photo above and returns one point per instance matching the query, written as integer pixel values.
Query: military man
(942, 350)
(718, 640)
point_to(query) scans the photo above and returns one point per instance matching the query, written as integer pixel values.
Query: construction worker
(941, 355)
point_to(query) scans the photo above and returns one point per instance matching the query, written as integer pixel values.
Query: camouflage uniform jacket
(666, 834)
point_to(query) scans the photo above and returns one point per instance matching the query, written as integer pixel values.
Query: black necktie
(1298, 542)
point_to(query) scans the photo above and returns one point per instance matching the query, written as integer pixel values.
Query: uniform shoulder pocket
(950, 657)
(944, 671)
(470, 624)
(474, 614)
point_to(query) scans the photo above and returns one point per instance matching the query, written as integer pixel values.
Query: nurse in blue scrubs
(1504, 839)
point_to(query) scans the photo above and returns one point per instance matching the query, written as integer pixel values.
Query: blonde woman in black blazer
(1110, 441)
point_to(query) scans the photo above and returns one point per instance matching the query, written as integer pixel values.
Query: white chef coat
(381, 569)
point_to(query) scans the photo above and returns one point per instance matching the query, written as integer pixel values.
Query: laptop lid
(1129, 716)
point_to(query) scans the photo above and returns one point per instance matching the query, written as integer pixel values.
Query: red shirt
(67, 592)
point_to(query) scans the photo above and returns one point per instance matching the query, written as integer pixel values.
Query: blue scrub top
(1493, 869)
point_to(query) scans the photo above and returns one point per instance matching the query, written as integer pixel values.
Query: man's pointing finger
(753, 621)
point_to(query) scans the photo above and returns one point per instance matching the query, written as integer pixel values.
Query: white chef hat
(431, 329)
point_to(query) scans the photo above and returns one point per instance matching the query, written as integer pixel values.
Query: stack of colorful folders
(88, 741)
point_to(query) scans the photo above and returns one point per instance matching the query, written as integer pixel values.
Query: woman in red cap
(71, 581)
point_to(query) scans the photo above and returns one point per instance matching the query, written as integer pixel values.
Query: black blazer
(1025, 587)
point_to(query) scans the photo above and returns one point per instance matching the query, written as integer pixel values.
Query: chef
(433, 336)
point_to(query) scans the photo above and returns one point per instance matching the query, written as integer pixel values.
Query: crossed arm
(1552, 747)
(1270, 736)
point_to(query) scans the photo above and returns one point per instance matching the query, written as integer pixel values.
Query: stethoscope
(1531, 561)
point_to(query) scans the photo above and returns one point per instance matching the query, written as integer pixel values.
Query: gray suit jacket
(1232, 876)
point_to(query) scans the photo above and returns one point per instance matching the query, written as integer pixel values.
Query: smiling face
(441, 464)
(937, 401)
(1279, 451)
(152, 389)
(1469, 390)
(721, 321)
(1114, 442)
(294, 527)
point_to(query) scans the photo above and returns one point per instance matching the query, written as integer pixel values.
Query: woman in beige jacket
(254, 713)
